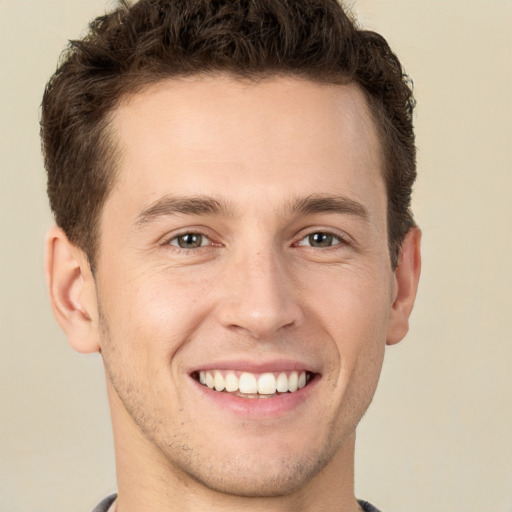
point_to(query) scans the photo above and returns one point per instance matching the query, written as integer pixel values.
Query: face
(244, 246)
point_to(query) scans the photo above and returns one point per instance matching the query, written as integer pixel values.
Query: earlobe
(407, 275)
(72, 291)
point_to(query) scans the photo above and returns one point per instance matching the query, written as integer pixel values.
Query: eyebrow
(329, 204)
(174, 205)
(204, 205)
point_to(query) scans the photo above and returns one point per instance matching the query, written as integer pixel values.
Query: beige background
(438, 437)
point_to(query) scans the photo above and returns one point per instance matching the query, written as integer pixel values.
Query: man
(231, 182)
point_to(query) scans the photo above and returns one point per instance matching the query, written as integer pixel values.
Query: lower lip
(258, 407)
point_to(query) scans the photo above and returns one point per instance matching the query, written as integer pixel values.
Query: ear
(72, 291)
(407, 274)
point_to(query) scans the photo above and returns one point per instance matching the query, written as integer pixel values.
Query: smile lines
(252, 385)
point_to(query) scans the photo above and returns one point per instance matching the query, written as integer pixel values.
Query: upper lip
(251, 366)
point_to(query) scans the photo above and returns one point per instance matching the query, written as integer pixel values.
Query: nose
(260, 298)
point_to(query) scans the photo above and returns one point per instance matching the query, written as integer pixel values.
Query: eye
(190, 241)
(321, 239)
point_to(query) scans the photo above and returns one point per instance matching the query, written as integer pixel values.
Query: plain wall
(438, 437)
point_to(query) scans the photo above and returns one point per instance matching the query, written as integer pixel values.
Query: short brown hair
(139, 44)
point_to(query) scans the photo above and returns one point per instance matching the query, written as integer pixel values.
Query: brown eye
(190, 241)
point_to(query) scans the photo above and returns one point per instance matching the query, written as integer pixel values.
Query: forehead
(285, 133)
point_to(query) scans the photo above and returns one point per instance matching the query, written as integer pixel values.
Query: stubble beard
(252, 476)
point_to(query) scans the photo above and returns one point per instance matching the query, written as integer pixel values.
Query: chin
(257, 473)
(270, 479)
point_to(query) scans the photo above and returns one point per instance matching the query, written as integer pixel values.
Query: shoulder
(105, 503)
(367, 507)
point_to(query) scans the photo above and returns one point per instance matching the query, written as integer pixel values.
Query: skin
(257, 289)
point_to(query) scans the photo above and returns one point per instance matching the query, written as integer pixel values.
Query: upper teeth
(250, 383)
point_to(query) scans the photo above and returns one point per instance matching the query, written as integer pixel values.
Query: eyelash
(177, 237)
(340, 240)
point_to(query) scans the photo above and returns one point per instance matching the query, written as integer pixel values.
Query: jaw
(246, 450)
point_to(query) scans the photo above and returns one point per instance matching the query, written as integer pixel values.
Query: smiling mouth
(253, 385)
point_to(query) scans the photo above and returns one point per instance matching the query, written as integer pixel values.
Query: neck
(148, 481)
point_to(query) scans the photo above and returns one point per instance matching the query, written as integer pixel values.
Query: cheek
(353, 310)
(353, 303)
(156, 299)
(150, 315)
